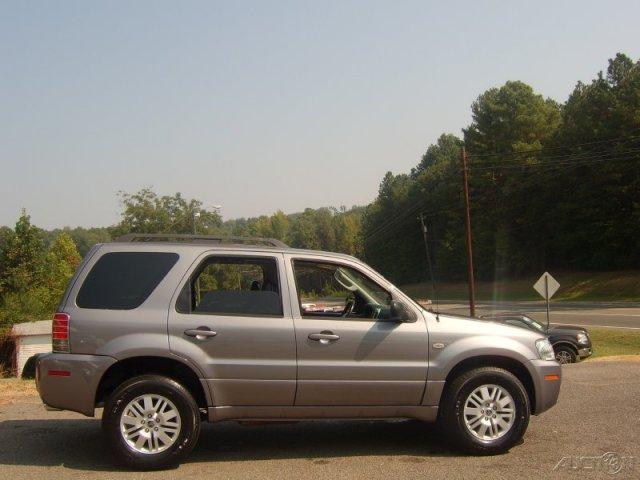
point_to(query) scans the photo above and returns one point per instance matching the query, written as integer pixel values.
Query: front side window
(332, 290)
(124, 280)
(233, 286)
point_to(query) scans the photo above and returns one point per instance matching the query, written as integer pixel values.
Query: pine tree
(22, 257)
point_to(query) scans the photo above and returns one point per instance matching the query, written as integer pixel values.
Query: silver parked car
(167, 331)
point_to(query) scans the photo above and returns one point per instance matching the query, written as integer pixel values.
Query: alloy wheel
(563, 357)
(489, 412)
(150, 423)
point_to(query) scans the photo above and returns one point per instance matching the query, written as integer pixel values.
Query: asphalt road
(603, 314)
(597, 413)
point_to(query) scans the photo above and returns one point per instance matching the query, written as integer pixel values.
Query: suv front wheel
(485, 411)
(565, 354)
(151, 422)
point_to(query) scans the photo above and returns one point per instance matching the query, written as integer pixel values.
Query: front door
(232, 318)
(350, 352)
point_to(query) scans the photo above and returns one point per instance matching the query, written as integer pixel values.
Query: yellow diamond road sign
(546, 286)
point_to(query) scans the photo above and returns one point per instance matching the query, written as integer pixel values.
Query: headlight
(582, 338)
(545, 350)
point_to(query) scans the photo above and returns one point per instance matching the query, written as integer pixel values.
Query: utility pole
(426, 249)
(195, 226)
(465, 187)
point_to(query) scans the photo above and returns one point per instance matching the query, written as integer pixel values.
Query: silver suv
(167, 331)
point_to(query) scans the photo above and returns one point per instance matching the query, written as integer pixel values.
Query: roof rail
(179, 237)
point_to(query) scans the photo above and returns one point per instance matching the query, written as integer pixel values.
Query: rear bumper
(69, 382)
(547, 389)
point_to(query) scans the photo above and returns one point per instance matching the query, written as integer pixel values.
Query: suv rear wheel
(485, 411)
(151, 422)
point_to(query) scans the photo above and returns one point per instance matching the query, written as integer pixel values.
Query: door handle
(325, 337)
(200, 333)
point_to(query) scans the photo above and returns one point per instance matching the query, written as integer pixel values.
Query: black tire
(158, 385)
(565, 354)
(29, 369)
(452, 419)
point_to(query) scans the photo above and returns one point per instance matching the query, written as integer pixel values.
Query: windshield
(533, 323)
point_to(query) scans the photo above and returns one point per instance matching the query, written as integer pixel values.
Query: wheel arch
(518, 369)
(565, 343)
(171, 367)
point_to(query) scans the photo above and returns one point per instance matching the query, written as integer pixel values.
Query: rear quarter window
(124, 280)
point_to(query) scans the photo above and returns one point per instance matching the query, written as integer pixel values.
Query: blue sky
(260, 106)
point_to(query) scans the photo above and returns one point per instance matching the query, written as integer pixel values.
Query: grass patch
(583, 286)
(608, 342)
(14, 390)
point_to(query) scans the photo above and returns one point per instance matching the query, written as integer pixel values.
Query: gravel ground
(598, 412)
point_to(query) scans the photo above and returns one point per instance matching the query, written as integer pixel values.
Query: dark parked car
(570, 342)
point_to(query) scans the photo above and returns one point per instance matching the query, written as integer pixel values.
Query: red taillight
(60, 332)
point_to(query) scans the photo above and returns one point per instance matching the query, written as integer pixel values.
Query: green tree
(22, 256)
(146, 212)
(304, 231)
(23, 295)
(445, 151)
(510, 118)
(601, 121)
(280, 225)
(508, 121)
(348, 231)
(325, 229)
(393, 240)
(551, 186)
(263, 227)
(60, 263)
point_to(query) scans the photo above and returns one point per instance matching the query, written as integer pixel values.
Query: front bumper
(546, 376)
(67, 381)
(584, 352)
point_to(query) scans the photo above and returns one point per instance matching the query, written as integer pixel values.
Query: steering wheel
(349, 306)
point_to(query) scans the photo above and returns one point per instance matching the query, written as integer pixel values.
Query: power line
(545, 149)
(382, 226)
(612, 156)
(396, 222)
(549, 166)
(408, 211)
(556, 157)
(411, 209)
(401, 219)
(560, 166)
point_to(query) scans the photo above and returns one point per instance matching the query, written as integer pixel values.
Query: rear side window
(124, 280)
(233, 286)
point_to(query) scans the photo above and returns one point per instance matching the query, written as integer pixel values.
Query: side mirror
(398, 312)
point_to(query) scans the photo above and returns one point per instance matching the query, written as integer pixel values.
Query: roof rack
(178, 237)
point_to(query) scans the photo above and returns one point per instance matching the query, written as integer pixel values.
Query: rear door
(232, 317)
(348, 351)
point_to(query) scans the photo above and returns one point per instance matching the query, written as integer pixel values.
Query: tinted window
(123, 280)
(233, 286)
